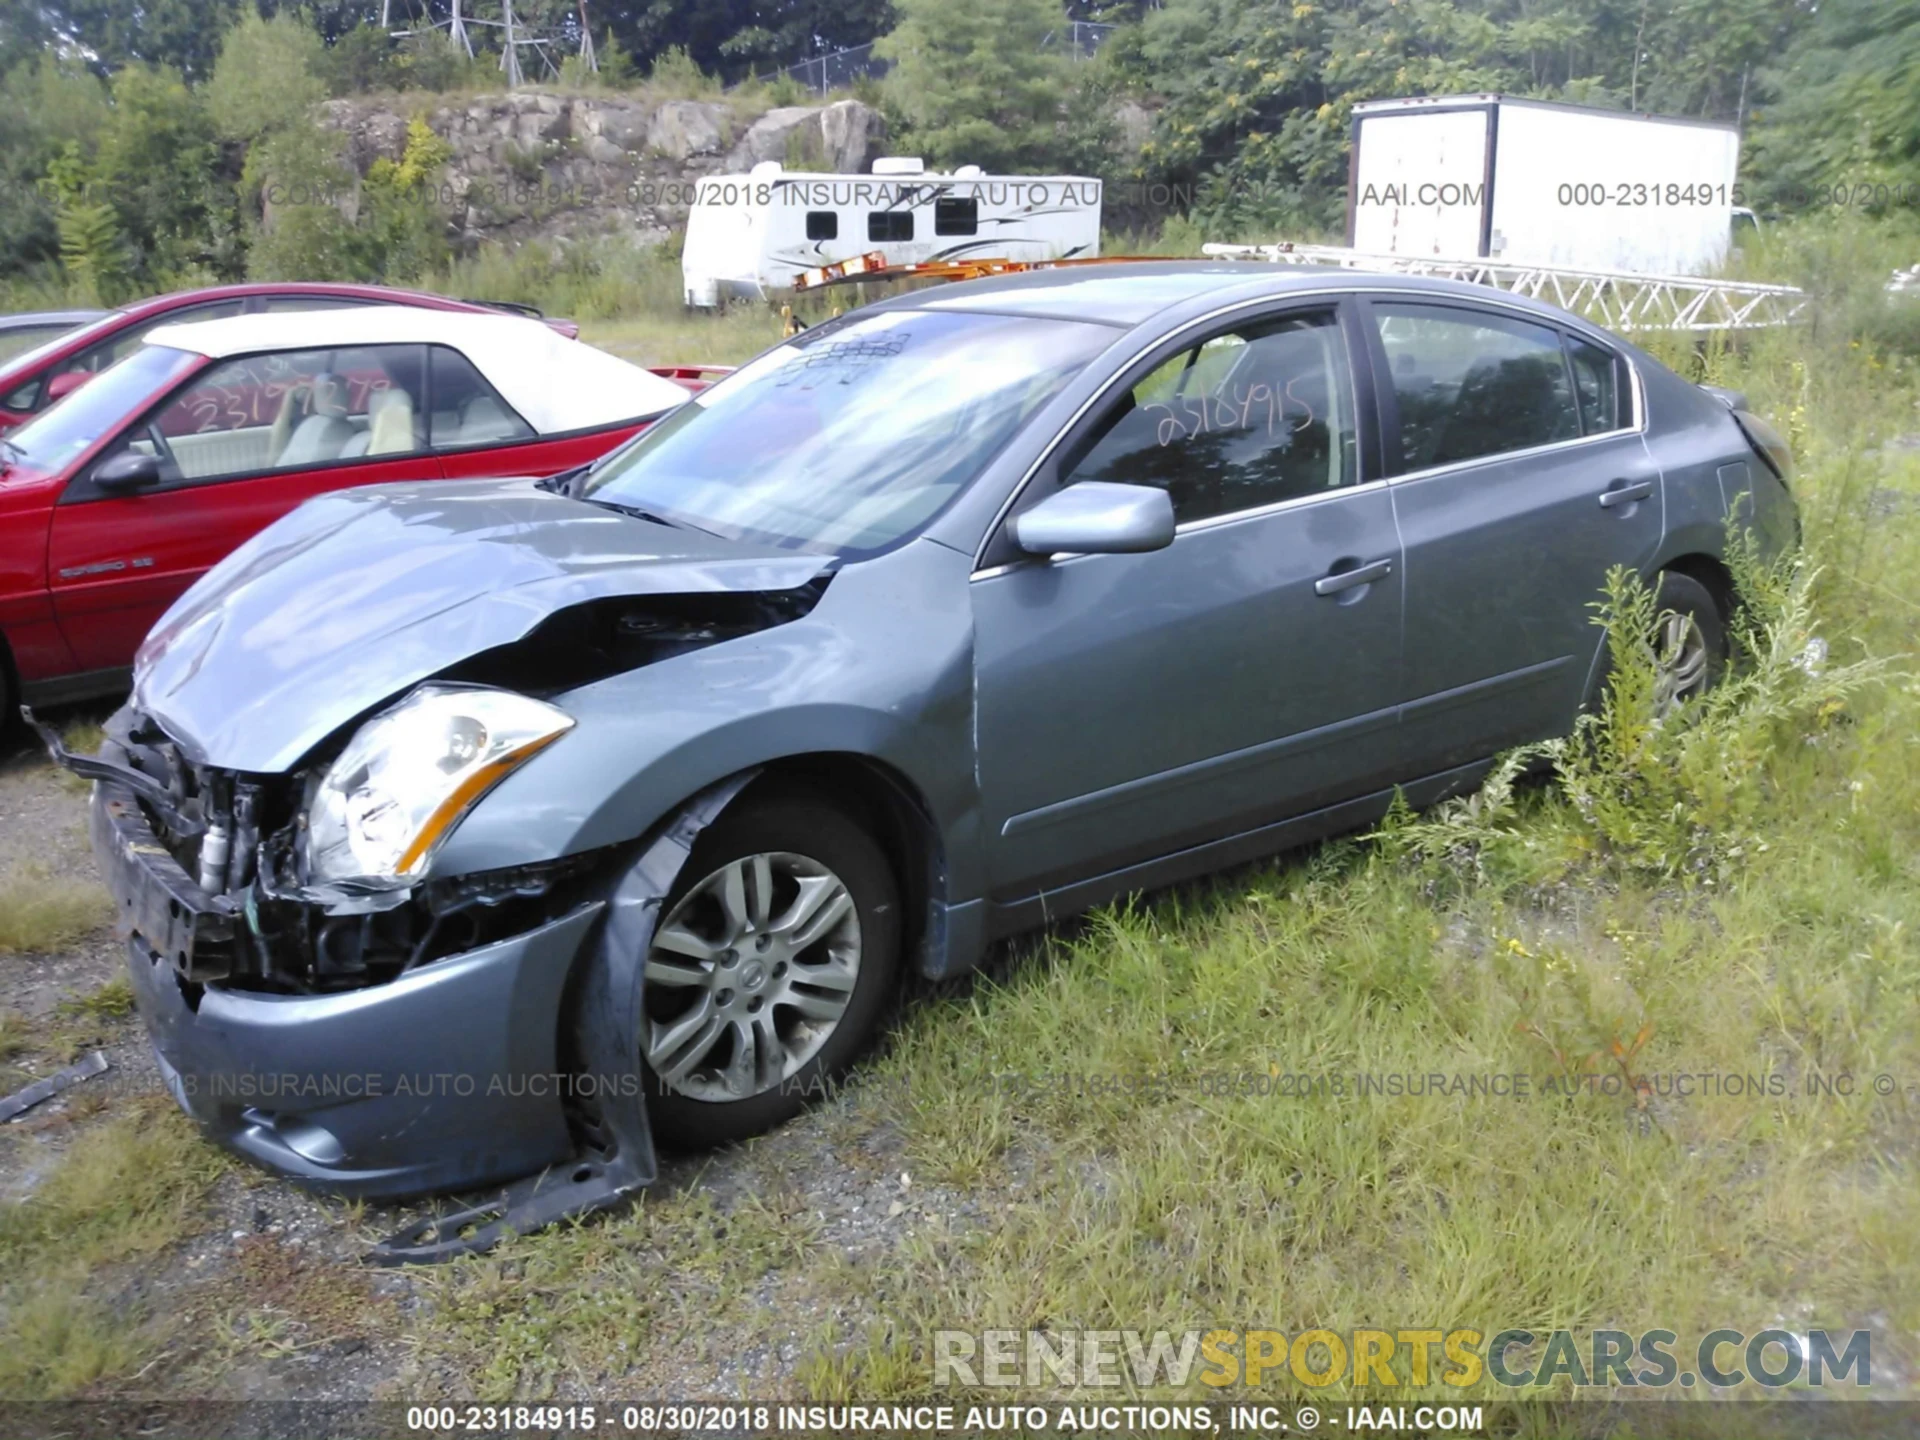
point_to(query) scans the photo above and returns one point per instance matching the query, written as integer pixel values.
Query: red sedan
(32, 381)
(118, 498)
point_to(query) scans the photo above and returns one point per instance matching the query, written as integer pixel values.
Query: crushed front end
(379, 1046)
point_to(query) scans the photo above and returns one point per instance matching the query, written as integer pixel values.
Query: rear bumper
(446, 1078)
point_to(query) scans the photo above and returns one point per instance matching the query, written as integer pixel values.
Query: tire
(1690, 640)
(721, 958)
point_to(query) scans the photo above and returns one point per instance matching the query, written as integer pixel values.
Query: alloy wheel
(1684, 665)
(749, 975)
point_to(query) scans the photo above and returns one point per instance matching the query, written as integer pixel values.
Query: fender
(614, 1159)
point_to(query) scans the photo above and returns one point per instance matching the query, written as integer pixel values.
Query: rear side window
(823, 225)
(1249, 418)
(1596, 380)
(1469, 384)
(889, 225)
(466, 409)
(953, 215)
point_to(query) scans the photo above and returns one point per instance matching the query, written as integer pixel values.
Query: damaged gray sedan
(472, 834)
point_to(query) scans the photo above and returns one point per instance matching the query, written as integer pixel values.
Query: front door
(1132, 705)
(241, 444)
(1523, 480)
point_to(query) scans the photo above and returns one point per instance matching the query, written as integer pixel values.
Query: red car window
(292, 410)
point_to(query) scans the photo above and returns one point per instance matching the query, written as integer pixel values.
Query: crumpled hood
(360, 594)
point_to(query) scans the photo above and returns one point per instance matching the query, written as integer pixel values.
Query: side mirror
(1097, 518)
(128, 471)
(65, 383)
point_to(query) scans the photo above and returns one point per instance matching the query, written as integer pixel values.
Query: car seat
(484, 420)
(326, 431)
(389, 430)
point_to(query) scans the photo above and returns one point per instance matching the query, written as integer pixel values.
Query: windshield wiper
(10, 453)
(654, 517)
(564, 482)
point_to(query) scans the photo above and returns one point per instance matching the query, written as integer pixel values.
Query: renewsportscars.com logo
(1516, 1359)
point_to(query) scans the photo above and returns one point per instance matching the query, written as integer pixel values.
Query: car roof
(257, 289)
(556, 384)
(1121, 293)
(1129, 293)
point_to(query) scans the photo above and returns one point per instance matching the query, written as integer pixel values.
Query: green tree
(93, 247)
(1849, 101)
(266, 77)
(182, 35)
(321, 223)
(45, 107)
(171, 184)
(977, 84)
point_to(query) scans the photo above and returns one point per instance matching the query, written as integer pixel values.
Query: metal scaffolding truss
(515, 36)
(1616, 299)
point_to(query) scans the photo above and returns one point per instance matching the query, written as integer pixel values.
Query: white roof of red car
(556, 384)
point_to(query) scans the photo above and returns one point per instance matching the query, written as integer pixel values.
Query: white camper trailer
(749, 235)
(1531, 182)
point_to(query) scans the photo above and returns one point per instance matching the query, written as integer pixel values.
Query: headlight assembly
(411, 772)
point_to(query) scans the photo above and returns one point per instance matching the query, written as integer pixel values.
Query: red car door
(238, 446)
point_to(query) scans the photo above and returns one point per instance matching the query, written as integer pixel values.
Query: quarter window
(467, 410)
(292, 410)
(894, 225)
(1249, 418)
(823, 225)
(1596, 380)
(1469, 384)
(955, 215)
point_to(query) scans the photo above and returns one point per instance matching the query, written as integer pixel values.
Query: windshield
(849, 438)
(55, 438)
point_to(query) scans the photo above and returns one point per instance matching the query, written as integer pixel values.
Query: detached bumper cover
(446, 1078)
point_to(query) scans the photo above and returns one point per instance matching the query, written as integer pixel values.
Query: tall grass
(1175, 1114)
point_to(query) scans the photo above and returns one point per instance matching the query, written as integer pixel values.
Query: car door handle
(1338, 580)
(1625, 494)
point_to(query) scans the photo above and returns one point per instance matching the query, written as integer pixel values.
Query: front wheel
(770, 970)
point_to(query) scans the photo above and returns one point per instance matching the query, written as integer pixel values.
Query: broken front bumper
(446, 1078)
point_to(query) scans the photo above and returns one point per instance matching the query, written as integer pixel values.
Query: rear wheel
(768, 973)
(1689, 641)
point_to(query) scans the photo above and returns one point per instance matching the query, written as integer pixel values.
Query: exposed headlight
(412, 771)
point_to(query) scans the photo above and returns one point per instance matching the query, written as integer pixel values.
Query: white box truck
(749, 235)
(1532, 182)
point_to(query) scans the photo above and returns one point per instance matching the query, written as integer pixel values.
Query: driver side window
(1246, 419)
(293, 410)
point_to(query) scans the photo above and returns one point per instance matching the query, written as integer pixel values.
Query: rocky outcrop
(842, 138)
(535, 165)
(682, 130)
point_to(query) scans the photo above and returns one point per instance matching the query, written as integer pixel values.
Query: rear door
(240, 445)
(1132, 705)
(1521, 478)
